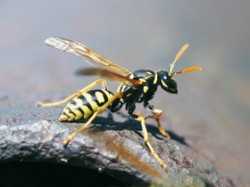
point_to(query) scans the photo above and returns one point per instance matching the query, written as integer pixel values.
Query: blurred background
(212, 108)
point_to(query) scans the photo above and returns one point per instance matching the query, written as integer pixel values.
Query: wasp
(139, 86)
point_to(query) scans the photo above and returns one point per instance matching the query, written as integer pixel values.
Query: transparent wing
(106, 73)
(82, 50)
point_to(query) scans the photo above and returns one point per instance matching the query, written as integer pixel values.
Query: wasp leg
(147, 141)
(156, 115)
(86, 125)
(80, 92)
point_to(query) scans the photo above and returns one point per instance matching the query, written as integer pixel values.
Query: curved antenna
(177, 57)
(193, 68)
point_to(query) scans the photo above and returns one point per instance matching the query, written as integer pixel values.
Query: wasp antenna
(177, 57)
(193, 68)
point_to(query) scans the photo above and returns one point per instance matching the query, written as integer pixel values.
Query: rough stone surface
(33, 134)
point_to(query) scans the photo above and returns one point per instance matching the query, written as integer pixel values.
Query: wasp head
(167, 82)
(166, 77)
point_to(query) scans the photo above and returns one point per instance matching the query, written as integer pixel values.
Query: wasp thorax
(167, 82)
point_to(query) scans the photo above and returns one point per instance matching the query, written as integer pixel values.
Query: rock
(109, 148)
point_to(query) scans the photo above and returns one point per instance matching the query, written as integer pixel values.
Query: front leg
(147, 141)
(156, 115)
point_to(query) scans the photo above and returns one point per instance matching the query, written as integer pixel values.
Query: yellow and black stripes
(85, 105)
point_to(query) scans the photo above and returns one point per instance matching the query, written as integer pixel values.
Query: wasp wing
(82, 50)
(109, 75)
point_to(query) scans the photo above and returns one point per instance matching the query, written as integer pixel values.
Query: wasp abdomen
(85, 105)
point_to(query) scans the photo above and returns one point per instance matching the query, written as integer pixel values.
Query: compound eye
(172, 84)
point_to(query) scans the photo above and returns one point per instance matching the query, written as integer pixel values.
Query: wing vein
(82, 50)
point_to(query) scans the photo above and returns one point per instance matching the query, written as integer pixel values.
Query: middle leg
(157, 113)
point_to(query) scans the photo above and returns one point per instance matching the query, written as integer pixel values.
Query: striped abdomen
(85, 105)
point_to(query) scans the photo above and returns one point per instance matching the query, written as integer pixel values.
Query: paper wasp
(136, 87)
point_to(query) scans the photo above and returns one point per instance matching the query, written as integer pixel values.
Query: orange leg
(146, 139)
(157, 113)
(80, 92)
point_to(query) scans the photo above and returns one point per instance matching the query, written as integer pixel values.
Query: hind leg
(80, 92)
